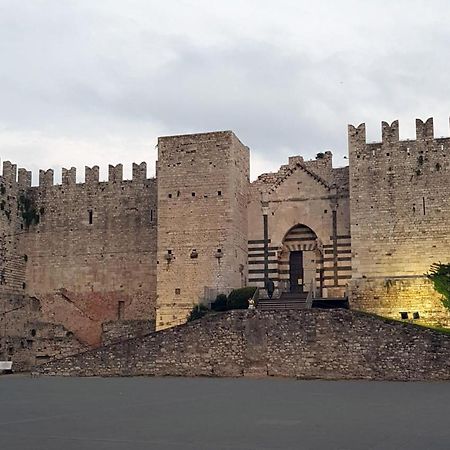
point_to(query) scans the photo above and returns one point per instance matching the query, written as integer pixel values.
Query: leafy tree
(440, 276)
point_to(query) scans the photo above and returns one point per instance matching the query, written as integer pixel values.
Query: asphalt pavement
(205, 413)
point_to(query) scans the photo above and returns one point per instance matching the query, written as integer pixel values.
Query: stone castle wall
(400, 220)
(12, 261)
(305, 344)
(96, 261)
(117, 330)
(91, 254)
(28, 338)
(202, 221)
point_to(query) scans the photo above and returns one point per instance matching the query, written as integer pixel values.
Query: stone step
(292, 302)
(280, 304)
(294, 295)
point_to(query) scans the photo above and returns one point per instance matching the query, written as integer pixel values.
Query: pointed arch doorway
(300, 261)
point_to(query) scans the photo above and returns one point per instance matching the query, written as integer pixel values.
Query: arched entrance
(300, 261)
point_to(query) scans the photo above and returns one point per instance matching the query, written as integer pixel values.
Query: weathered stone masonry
(337, 344)
(74, 256)
(92, 256)
(203, 182)
(308, 211)
(26, 335)
(85, 263)
(400, 220)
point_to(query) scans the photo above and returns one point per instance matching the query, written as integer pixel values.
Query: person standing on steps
(270, 287)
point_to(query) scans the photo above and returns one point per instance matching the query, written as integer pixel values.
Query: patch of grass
(421, 325)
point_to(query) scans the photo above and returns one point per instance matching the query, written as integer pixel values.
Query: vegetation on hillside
(237, 299)
(440, 276)
(197, 312)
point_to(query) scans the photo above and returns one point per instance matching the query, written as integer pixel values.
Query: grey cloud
(105, 80)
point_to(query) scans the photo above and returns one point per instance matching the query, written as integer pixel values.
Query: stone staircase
(287, 300)
(299, 300)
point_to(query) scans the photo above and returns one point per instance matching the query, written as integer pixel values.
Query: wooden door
(296, 271)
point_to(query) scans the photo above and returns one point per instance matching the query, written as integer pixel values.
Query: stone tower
(400, 220)
(203, 182)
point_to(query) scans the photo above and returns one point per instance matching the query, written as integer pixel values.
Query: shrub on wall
(238, 298)
(220, 304)
(440, 276)
(29, 213)
(197, 312)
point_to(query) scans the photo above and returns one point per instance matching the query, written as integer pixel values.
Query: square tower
(203, 182)
(400, 221)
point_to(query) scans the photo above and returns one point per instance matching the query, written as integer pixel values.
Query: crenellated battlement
(22, 178)
(425, 139)
(46, 178)
(9, 174)
(69, 176)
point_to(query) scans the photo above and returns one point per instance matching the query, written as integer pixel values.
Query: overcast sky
(89, 82)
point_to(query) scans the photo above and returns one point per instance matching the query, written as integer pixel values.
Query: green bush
(440, 276)
(220, 304)
(238, 298)
(197, 312)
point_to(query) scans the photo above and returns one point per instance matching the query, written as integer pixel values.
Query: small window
(416, 315)
(194, 254)
(170, 195)
(193, 194)
(219, 193)
(404, 315)
(151, 215)
(178, 193)
(91, 217)
(177, 291)
(169, 252)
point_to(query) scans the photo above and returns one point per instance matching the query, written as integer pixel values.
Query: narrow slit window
(91, 217)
